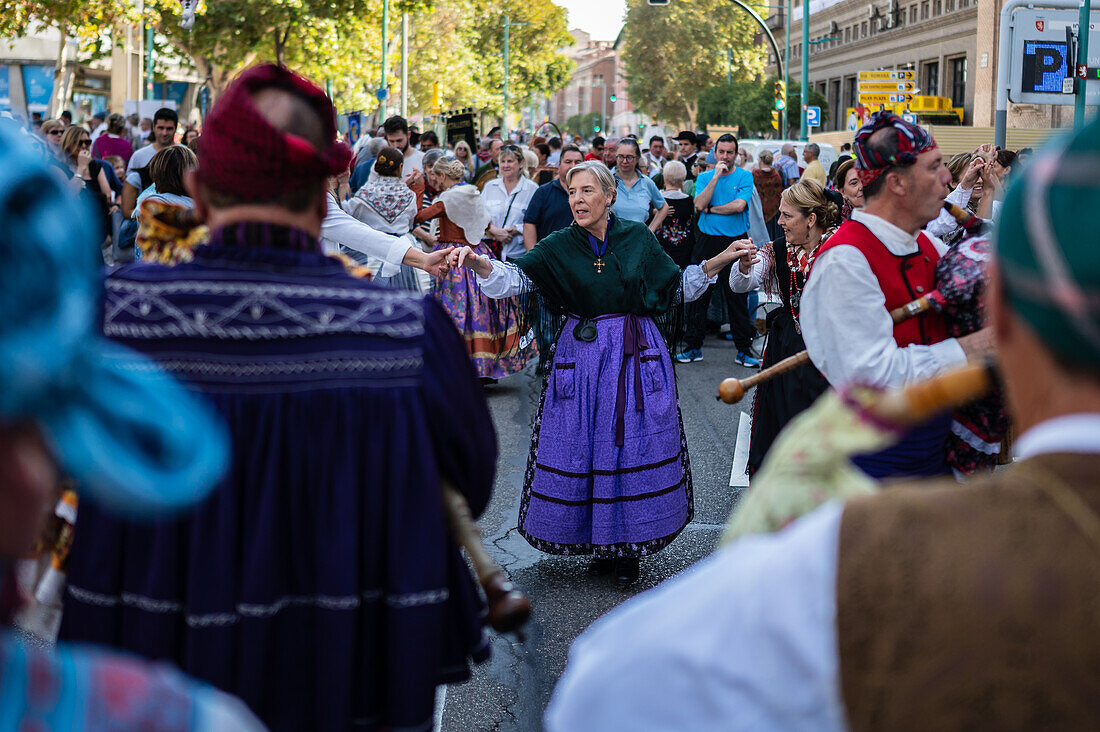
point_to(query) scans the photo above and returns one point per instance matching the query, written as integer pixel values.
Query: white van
(828, 152)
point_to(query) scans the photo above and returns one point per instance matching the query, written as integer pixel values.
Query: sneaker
(689, 356)
(747, 360)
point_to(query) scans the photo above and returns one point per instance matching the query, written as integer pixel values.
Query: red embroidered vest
(901, 278)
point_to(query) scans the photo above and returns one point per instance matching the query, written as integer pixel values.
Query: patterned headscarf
(241, 154)
(912, 141)
(1048, 263)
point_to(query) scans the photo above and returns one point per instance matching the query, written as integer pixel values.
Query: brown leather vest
(974, 607)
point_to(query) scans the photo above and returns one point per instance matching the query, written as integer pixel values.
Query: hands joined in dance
(466, 257)
(745, 251)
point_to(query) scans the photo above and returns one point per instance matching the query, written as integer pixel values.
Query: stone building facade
(951, 45)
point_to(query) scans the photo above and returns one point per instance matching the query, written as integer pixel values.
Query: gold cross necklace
(600, 248)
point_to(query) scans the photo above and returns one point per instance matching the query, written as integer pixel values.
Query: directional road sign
(887, 75)
(813, 116)
(885, 98)
(887, 86)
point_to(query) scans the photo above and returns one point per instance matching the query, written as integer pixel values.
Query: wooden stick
(918, 402)
(509, 608)
(911, 310)
(732, 391)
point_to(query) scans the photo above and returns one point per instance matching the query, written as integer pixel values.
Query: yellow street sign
(887, 86)
(885, 98)
(887, 75)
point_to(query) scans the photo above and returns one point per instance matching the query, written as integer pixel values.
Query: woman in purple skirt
(608, 472)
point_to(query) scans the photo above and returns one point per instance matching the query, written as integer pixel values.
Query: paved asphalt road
(511, 691)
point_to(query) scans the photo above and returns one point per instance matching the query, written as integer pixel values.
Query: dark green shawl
(638, 276)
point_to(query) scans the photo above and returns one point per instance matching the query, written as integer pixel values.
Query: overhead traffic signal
(780, 95)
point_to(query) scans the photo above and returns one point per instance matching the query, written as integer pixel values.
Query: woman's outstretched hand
(466, 257)
(436, 264)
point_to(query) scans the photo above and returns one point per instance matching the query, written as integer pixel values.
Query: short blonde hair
(764, 157)
(674, 172)
(449, 168)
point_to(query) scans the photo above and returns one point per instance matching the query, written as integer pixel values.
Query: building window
(958, 82)
(924, 10)
(937, 8)
(850, 91)
(912, 14)
(932, 78)
(863, 29)
(950, 5)
(847, 35)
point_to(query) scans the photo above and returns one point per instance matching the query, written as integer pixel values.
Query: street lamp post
(382, 84)
(802, 129)
(1082, 60)
(786, 70)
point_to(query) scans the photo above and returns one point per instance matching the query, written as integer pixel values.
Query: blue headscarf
(131, 435)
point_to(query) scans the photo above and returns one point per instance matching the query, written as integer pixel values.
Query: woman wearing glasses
(506, 198)
(87, 172)
(636, 196)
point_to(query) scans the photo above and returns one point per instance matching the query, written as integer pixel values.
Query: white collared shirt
(845, 323)
(506, 210)
(744, 640)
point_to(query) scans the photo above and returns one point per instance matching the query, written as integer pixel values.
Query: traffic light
(613, 98)
(775, 119)
(780, 95)
(597, 129)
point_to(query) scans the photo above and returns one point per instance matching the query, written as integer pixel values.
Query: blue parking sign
(813, 116)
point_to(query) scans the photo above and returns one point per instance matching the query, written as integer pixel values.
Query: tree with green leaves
(671, 51)
(749, 104)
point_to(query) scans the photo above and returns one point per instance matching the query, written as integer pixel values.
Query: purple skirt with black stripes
(584, 492)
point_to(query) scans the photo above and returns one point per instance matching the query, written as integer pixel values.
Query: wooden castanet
(732, 391)
(509, 608)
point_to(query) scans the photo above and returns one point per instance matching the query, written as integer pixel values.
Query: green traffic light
(780, 104)
(613, 97)
(596, 128)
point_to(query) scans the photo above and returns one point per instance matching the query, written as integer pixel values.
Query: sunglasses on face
(56, 132)
(85, 143)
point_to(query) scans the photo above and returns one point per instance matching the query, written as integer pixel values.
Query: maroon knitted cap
(242, 155)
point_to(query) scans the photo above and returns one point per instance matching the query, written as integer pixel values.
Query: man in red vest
(878, 261)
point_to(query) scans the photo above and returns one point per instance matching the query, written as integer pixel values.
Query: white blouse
(506, 210)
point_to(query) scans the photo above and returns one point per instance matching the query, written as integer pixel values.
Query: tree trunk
(57, 98)
(692, 111)
(280, 45)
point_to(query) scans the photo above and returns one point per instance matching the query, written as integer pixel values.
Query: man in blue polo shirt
(549, 209)
(722, 198)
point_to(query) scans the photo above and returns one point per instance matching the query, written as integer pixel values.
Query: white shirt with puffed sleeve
(847, 328)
